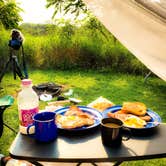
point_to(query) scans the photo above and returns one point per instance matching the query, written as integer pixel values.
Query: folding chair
(5, 102)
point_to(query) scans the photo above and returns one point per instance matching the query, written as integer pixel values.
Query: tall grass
(68, 47)
(4, 37)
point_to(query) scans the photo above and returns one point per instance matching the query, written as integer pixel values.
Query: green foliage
(9, 14)
(89, 46)
(67, 6)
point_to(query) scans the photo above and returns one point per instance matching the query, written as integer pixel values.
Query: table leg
(118, 163)
(94, 164)
(36, 163)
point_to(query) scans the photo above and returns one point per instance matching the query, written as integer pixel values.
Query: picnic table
(86, 147)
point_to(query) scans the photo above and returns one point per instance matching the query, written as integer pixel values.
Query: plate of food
(77, 118)
(134, 115)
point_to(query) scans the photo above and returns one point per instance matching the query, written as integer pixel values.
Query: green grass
(89, 85)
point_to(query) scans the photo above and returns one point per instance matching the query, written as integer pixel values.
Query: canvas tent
(140, 25)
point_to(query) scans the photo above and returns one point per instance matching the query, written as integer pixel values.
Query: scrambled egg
(134, 121)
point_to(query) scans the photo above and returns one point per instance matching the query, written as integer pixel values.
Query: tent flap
(140, 29)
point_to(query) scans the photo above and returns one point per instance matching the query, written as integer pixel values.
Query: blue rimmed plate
(93, 112)
(155, 118)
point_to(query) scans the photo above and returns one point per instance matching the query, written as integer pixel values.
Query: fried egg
(134, 122)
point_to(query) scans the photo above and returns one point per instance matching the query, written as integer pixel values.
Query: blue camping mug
(45, 127)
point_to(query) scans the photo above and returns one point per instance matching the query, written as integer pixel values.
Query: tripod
(15, 65)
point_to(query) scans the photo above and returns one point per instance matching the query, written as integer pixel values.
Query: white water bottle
(28, 105)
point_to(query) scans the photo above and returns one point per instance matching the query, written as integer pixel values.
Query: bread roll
(136, 108)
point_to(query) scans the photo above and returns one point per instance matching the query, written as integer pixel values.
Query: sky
(35, 11)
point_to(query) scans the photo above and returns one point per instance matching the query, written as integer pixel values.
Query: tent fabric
(139, 26)
(156, 7)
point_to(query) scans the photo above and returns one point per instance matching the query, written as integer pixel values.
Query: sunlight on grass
(82, 82)
(123, 84)
(147, 93)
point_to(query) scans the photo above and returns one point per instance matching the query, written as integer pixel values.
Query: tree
(9, 14)
(77, 6)
(67, 6)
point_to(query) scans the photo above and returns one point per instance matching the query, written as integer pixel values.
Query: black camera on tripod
(16, 39)
(15, 43)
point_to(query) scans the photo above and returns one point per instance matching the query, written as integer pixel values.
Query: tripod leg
(14, 67)
(24, 64)
(17, 68)
(4, 70)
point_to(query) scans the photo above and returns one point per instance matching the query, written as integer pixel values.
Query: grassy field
(87, 86)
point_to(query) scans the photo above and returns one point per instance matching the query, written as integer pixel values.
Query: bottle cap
(26, 82)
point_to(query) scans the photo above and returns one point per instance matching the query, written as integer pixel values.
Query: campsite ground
(87, 86)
